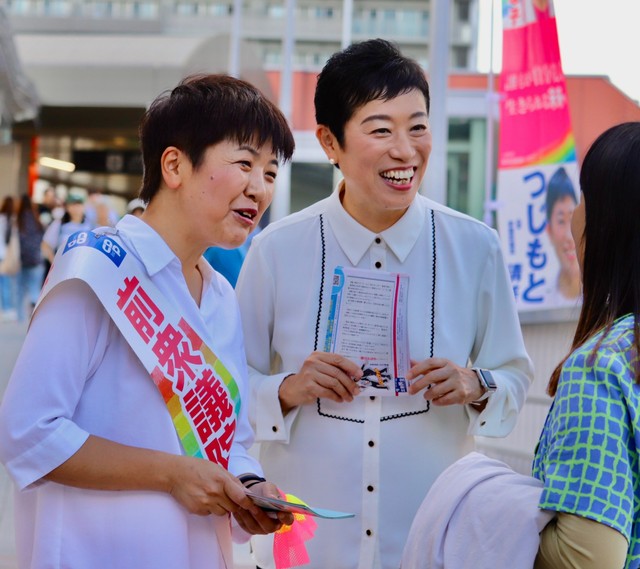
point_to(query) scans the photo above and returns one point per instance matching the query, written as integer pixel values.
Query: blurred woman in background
(73, 220)
(30, 277)
(9, 259)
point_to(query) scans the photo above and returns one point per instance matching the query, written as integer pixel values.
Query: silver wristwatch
(486, 381)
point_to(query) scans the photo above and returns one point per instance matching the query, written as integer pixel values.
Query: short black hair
(204, 110)
(364, 72)
(558, 188)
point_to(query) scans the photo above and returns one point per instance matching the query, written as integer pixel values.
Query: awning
(124, 70)
(18, 95)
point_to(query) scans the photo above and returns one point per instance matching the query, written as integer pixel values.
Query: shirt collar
(151, 249)
(153, 252)
(355, 239)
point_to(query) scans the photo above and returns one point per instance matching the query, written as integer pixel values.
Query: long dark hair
(610, 183)
(8, 209)
(26, 208)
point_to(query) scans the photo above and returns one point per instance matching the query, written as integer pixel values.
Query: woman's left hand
(262, 522)
(450, 383)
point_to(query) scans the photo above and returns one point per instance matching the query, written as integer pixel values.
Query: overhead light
(57, 164)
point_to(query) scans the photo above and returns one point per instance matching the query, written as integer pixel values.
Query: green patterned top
(587, 456)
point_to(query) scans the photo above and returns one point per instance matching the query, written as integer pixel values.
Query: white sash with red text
(201, 396)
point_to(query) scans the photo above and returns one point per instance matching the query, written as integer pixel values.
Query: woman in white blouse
(326, 441)
(104, 478)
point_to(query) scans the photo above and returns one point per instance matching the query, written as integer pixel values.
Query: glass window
(466, 149)
(276, 11)
(322, 13)
(145, 10)
(460, 57)
(464, 10)
(310, 183)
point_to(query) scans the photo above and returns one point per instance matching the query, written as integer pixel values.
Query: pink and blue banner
(537, 186)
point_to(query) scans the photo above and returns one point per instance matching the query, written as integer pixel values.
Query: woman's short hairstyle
(558, 188)
(364, 72)
(610, 183)
(202, 111)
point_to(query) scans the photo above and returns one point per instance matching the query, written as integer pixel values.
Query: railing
(33, 15)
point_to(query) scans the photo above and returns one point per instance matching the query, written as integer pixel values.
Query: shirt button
(369, 532)
(371, 443)
(378, 264)
(483, 423)
(274, 429)
(370, 488)
(378, 240)
(372, 397)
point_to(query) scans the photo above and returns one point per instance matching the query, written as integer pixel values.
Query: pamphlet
(276, 505)
(368, 324)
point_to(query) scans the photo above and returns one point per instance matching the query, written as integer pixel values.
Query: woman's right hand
(323, 375)
(199, 485)
(204, 488)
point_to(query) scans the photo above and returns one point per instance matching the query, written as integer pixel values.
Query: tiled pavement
(11, 336)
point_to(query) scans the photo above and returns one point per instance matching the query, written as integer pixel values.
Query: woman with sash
(124, 424)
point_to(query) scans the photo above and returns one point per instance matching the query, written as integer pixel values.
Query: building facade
(96, 65)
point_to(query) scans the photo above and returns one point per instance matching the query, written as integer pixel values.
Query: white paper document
(368, 324)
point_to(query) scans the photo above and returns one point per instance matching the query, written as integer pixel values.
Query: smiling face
(383, 159)
(559, 230)
(229, 191)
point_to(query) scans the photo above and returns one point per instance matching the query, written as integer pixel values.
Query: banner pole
(489, 204)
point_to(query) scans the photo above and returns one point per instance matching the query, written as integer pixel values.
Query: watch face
(488, 380)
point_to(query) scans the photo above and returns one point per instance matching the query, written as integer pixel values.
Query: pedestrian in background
(74, 219)
(9, 259)
(104, 215)
(48, 206)
(31, 269)
(49, 209)
(97, 209)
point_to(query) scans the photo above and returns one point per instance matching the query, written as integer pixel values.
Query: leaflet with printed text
(368, 324)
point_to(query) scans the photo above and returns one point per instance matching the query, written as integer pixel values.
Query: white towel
(479, 514)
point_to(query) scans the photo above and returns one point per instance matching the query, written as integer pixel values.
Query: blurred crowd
(31, 233)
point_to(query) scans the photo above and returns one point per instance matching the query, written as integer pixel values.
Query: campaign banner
(537, 183)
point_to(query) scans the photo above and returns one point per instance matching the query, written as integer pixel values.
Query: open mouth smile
(400, 177)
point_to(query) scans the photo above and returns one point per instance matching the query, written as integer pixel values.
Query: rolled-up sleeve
(37, 432)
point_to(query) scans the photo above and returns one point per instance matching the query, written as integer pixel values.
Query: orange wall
(595, 103)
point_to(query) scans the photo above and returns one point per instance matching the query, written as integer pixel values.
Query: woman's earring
(332, 161)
